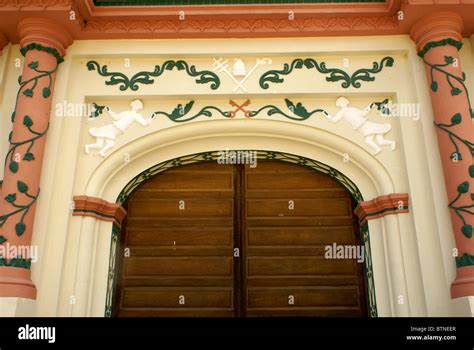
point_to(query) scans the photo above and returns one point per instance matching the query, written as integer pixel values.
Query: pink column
(438, 39)
(43, 43)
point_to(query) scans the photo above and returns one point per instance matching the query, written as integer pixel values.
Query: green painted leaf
(19, 79)
(2, 239)
(46, 92)
(390, 62)
(169, 66)
(20, 228)
(449, 59)
(434, 86)
(180, 65)
(27, 121)
(13, 166)
(28, 92)
(456, 119)
(455, 91)
(309, 63)
(299, 65)
(471, 170)
(467, 230)
(13, 117)
(29, 156)
(464, 187)
(11, 198)
(22, 187)
(33, 64)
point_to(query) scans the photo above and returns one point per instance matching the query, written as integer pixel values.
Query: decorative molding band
(99, 209)
(193, 28)
(395, 203)
(115, 78)
(335, 74)
(448, 41)
(28, 5)
(39, 47)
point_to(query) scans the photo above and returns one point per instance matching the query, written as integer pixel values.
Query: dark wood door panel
(178, 266)
(297, 266)
(291, 215)
(180, 238)
(173, 297)
(303, 296)
(189, 253)
(337, 207)
(299, 236)
(183, 207)
(189, 236)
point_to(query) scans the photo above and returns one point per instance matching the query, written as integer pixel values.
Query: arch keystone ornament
(43, 43)
(438, 39)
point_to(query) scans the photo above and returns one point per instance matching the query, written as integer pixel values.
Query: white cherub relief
(373, 132)
(107, 134)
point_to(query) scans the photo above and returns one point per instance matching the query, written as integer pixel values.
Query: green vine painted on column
(455, 138)
(335, 74)
(463, 210)
(27, 88)
(457, 87)
(203, 77)
(451, 79)
(11, 198)
(28, 156)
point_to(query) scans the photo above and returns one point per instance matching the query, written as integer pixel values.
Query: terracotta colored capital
(437, 26)
(45, 32)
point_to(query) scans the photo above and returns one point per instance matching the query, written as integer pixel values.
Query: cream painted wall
(412, 253)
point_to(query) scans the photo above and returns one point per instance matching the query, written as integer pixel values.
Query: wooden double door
(231, 240)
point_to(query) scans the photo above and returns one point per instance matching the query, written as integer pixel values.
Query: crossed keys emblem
(241, 108)
(222, 65)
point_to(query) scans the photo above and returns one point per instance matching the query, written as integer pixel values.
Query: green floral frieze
(181, 113)
(335, 74)
(115, 78)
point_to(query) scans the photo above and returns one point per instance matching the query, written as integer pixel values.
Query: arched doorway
(231, 240)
